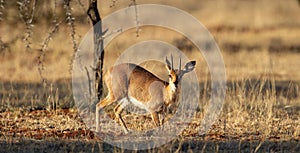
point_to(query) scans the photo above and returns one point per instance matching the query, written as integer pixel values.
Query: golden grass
(20, 65)
(262, 100)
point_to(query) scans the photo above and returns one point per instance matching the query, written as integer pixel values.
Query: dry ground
(260, 45)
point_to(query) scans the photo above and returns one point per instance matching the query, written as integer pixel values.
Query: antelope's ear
(168, 64)
(189, 66)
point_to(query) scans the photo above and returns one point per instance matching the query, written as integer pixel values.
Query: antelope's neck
(172, 87)
(171, 91)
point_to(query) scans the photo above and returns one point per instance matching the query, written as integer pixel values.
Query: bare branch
(43, 50)
(70, 20)
(93, 12)
(94, 16)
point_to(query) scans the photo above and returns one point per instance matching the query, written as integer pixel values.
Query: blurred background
(254, 36)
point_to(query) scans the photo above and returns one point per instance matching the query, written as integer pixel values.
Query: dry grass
(260, 48)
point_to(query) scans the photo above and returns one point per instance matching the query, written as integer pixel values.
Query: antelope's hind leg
(106, 101)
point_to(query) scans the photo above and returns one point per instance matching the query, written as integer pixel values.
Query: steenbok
(130, 83)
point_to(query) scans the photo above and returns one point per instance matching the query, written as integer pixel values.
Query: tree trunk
(95, 17)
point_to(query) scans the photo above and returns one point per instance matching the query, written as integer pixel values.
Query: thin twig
(2, 6)
(89, 80)
(27, 15)
(259, 145)
(41, 57)
(137, 22)
(81, 5)
(203, 148)
(70, 20)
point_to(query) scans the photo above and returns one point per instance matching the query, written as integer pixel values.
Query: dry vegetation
(260, 45)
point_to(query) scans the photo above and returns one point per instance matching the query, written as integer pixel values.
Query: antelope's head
(175, 75)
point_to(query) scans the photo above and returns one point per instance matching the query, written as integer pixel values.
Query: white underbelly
(150, 106)
(138, 103)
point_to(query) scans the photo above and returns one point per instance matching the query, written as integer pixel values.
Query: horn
(167, 61)
(179, 64)
(172, 61)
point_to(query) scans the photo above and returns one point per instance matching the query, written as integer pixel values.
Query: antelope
(130, 83)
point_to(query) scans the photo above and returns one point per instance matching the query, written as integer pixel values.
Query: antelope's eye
(170, 75)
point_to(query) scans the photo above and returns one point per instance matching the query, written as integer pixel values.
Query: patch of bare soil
(41, 124)
(62, 131)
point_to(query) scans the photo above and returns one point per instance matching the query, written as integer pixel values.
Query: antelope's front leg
(118, 110)
(163, 114)
(155, 119)
(97, 118)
